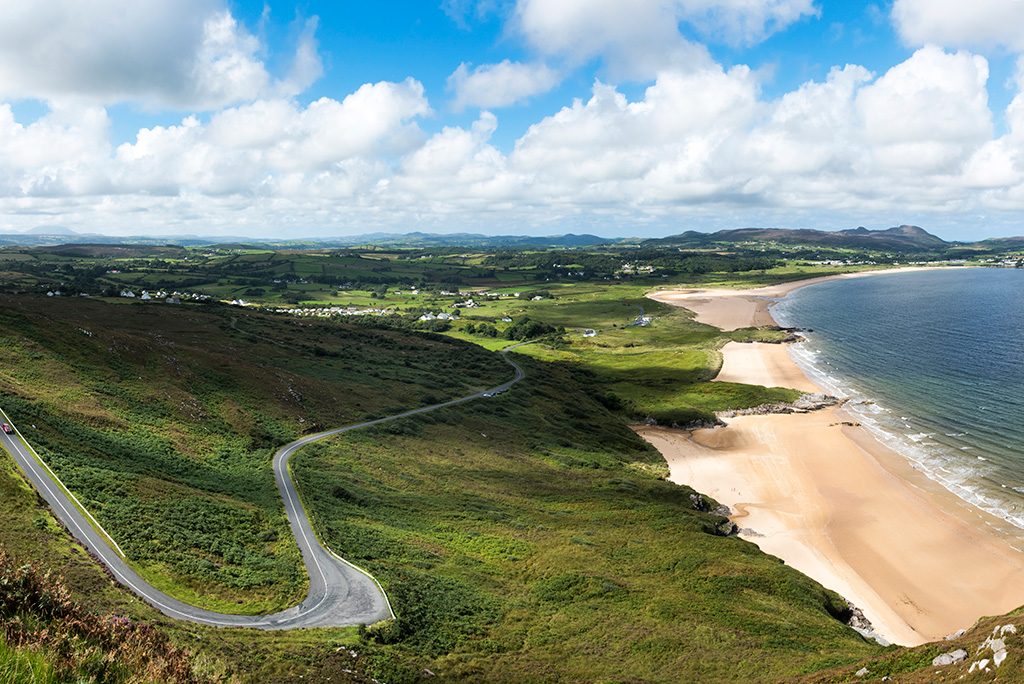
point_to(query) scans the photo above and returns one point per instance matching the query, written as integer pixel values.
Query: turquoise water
(933, 363)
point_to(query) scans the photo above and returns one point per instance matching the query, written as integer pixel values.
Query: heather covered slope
(532, 538)
(163, 420)
(521, 537)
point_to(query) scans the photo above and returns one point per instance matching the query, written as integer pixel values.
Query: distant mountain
(900, 238)
(50, 230)
(1003, 243)
(54, 235)
(472, 240)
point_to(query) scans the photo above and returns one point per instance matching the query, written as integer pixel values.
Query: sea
(932, 362)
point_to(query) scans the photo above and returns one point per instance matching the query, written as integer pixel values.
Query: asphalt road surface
(340, 594)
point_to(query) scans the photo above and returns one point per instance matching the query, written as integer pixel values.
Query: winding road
(340, 594)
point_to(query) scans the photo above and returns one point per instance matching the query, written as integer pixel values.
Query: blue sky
(608, 116)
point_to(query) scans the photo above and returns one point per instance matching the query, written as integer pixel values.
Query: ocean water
(933, 363)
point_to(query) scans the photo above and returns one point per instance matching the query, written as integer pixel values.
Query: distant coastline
(731, 309)
(824, 494)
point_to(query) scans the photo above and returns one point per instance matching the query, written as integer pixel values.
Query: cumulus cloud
(744, 22)
(952, 23)
(500, 85)
(59, 154)
(929, 112)
(189, 54)
(640, 38)
(255, 147)
(699, 142)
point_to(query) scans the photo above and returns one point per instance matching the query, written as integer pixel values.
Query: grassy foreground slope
(47, 637)
(530, 538)
(163, 420)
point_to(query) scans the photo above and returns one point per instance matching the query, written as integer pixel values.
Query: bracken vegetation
(530, 537)
(163, 420)
(47, 637)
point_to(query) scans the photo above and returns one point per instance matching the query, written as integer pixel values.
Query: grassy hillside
(30, 535)
(914, 665)
(662, 370)
(164, 419)
(46, 637)
(526, 537)
(530, 538)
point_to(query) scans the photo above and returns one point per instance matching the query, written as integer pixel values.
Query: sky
(613, 117)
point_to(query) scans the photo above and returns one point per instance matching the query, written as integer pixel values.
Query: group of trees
(527, 328)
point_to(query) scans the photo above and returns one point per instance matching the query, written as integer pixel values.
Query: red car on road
(8, 430)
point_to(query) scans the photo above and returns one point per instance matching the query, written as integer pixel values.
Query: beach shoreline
(826, 496)
(732, 309)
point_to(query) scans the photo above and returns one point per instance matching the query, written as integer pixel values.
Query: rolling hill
(900, 238)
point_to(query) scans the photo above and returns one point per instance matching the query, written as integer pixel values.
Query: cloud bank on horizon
(681, 124)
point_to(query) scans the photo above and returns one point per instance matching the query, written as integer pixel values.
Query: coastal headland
(824, 495)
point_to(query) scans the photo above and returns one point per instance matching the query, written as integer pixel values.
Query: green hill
(524, 537)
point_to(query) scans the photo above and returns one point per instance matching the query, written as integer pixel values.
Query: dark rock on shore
(704, 505)
(804, 404)
(861, 624)
(689, 427)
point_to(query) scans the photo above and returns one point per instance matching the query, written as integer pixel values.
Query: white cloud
(744, 22)
(929, 112)
(190, 54)
(954, 23)
(636, 39)
(56, 155)
(640, 38)
(700, 144)
(612, 150)
(500, 85)
(254, 147)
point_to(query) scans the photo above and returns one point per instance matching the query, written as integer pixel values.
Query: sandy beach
(731, 309)
(830, 500)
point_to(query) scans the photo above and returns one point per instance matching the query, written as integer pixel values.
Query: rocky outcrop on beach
(793, 335)
(859, 622)
(804, 404)
(690, 426)
(724, 528)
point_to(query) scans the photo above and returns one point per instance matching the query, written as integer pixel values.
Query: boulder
(957, 656)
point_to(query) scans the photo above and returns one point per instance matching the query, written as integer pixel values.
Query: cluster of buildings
(439, 317)
(331, 311)
(167, 297)
(635, 269)
(841, 262)
(1006, 262)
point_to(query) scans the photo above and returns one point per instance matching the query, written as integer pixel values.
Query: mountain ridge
(903, 237)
